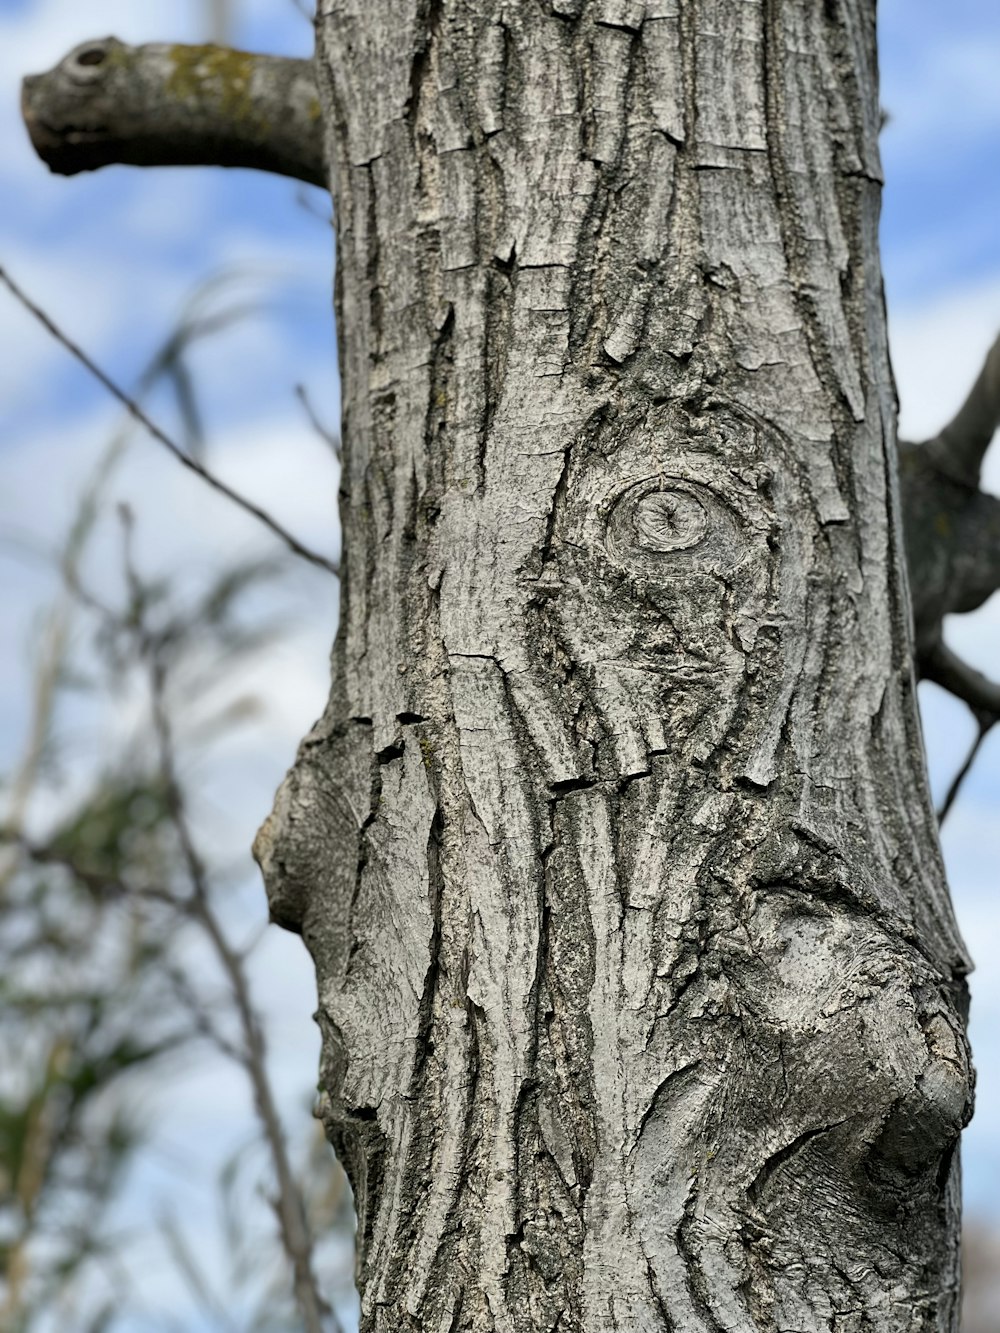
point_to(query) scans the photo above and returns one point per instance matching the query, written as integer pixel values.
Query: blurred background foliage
(118, 955)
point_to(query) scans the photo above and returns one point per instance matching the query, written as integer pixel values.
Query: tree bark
(167, 104)
(641, 997)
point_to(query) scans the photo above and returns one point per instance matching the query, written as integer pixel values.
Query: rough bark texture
(175, 105)
(640, 992)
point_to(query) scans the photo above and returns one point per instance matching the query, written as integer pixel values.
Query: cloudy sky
(114, 256)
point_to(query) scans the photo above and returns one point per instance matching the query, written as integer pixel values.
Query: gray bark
(175, 105)
(641, 996)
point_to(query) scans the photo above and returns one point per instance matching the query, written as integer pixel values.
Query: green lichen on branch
(212, 75)
(176, 105)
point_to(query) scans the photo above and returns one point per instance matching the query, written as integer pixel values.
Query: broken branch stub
(174, 105)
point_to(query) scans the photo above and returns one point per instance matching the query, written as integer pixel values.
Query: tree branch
(952, 534)
(963, 772)
(946, 668)
(959, 449)
(952, 528)
(174, 105)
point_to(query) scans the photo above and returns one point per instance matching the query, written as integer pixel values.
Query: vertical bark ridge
(639, 985)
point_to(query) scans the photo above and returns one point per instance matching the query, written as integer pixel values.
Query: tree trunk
(641, 996)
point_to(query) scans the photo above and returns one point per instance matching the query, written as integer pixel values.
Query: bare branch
(289, 1205)
(326, 435)
(946, 668)
(952, 532)
(174, 105)
(983, 697)
(960, 447)
(134, 410)
(963, 772)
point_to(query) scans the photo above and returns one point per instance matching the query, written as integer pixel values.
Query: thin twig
(52, 658)
(289, 1206)
(322, 431)
(45, 685)
(135, 411)
(108, 887)
(985, 725)
(104, 886)
(198, 1013)
(193, 1273)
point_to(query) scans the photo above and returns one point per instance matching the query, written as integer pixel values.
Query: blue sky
(115, 255)
(940, 148)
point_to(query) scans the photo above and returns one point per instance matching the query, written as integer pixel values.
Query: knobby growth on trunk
(641, 996)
